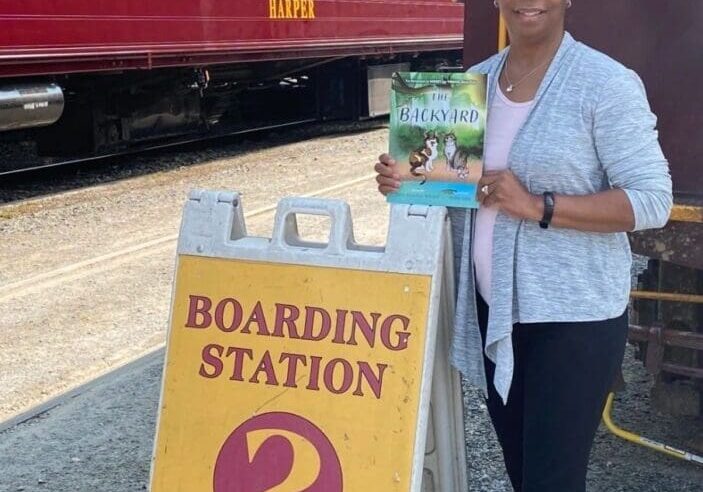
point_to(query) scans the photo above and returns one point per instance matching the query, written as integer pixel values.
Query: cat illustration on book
(422, 158)
(457, 157)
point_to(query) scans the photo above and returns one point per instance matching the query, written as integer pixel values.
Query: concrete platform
(98, 438)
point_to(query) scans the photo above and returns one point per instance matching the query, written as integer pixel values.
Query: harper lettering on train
(313, 324)
(291, 9)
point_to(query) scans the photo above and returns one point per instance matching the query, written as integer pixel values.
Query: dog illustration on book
(422, 159)
(457, 157)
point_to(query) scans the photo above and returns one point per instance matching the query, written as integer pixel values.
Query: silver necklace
(512, 86)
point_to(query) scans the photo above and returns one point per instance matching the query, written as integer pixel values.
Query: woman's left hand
(509, 195)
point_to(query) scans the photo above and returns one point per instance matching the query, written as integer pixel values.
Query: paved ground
(99, 441)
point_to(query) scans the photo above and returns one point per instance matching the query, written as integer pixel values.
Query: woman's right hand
(388, 178)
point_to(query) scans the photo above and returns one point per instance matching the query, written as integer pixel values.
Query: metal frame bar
(687, 213)
(667, 296)
(657, 339)
(194, 55)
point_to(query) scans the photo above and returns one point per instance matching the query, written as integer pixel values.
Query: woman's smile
(534, 20)
(528, 14)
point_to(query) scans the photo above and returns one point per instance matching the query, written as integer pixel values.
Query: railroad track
(31, 166)
(110, 261)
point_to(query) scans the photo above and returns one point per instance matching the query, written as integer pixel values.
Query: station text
(337, 375)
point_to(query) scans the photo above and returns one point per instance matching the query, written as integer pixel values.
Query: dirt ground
(78, 268)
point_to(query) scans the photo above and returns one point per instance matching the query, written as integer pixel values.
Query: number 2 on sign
(304, 461)
(277, 452)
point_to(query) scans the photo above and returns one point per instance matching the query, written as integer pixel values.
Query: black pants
(563, 372)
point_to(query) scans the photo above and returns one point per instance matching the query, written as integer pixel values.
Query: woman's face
(533, 19)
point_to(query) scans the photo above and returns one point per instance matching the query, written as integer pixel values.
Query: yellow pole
(643, 441)
(502, 34)
(667, 296)
(687, 213)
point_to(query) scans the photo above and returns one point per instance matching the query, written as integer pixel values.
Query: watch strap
(548, 209)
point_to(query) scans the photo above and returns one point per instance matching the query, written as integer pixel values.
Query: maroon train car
(662, 41)
(128, 71)
(40, 37)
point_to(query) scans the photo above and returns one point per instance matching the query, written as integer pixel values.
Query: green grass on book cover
(437, 125)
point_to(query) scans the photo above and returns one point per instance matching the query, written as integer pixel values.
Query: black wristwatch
(548, 209)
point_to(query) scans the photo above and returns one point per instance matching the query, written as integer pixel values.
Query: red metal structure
(123, 73)
(40, 37)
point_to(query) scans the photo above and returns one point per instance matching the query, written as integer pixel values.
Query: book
(437, 124)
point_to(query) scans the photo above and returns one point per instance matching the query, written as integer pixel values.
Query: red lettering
(339, 326)
(314, 373)
(265, 366)
(199, 305)
(212, 360)
(346, 376)
(220, 315)
(325, 324)
(257, 316)
(401, 342)
(369, 332)
(239, 354)
(286, 313)
(374, 381)
(338, 375)
(293, 360)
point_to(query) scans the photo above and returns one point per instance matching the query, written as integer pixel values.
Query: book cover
(437, 124)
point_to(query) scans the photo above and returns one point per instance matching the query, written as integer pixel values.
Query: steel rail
(150, 148)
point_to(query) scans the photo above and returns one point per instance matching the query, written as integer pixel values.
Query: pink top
(504, 120)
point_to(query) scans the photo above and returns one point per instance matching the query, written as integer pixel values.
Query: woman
(572, 162)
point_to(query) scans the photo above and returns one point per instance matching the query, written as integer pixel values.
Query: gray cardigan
(590, 129)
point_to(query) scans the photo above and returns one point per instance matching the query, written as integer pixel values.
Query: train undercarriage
(668, 314)
(112, 112)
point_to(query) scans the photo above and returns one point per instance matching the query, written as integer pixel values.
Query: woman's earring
(568, 4)
(495, 3)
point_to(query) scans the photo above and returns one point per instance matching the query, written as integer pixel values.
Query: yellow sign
(291, 9)
(288, 378)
